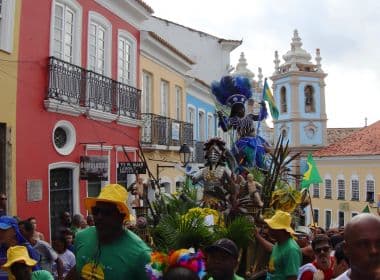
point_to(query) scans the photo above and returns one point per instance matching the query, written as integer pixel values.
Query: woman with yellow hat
(19, 265)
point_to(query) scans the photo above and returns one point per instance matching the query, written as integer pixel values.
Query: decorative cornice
(132, 11)
(56, 106)
(100, 115)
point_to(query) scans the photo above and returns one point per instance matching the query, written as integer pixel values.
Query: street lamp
(184, 153)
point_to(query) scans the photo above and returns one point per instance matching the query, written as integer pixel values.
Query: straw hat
(280, 220)
(18, 254)
(112, 193)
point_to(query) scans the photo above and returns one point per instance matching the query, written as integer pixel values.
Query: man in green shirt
(286, 256)
(107, 251)
(221, 260)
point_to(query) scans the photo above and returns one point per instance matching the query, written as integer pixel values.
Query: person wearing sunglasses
(323, 266)
(108, 251)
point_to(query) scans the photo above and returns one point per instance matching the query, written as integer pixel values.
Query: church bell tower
(299, 92)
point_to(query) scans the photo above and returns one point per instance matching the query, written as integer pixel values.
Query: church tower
(299, 92)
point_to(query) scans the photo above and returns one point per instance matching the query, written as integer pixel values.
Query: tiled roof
(336, 134)
(365, 141)
(169, 46)
(145, 6)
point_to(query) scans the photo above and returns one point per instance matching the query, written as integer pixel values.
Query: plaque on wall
(34, 190)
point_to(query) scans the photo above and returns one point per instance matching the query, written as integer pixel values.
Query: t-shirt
(68, 261)
(328, 273)
(344, 275)
(285, 260)
(124, 258)
(47, 255)
(41, 275)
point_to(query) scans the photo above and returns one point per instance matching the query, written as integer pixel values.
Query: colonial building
(164, 129)
(9, 64)
(78, 102)
(212, 61)
(350, 171)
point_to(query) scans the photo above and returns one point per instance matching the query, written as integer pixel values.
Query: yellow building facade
(350, 170)
(9, 41)
(164, 128)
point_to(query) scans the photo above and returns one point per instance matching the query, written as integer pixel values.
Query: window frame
(201, 125)
(192, 118)
(339, 190)
(100, 20)
(330, 188)
(164, 98)
(147, 96)
(316, 210)
(331, 220)
(338, 218)
(316, 190)
(77, 29)
(178, 102)
(370, 179)
(356, 179)
(210, 125)
(7, 24)
(127, 38)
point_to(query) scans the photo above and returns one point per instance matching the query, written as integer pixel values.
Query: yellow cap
(112, 193)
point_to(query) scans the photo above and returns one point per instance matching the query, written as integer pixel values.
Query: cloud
(346, 31)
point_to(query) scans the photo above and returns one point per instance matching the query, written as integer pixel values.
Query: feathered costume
(249, 148)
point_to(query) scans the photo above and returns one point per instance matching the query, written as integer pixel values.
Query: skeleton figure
(216, 175)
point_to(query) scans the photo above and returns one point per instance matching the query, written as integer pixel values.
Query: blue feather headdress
(231, 90)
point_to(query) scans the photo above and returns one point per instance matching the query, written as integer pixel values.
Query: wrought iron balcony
(76, 86)
(161, 130)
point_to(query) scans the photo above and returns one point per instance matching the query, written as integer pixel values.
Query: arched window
(309, 99)
(283, 104)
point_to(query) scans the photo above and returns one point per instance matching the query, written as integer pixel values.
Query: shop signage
(131, 167)
(175, 131)
(94, 168)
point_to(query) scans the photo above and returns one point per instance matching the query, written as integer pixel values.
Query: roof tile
(365, 141)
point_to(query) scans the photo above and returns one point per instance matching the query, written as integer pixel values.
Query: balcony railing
(77, 86)
(161, 130)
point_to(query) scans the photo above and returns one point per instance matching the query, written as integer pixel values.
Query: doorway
(61, 195)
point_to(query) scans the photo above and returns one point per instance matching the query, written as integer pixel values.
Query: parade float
(240, 185)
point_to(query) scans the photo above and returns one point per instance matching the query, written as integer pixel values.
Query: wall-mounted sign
(175, 131)
(131, 167)
(94, 168)
(34, 190)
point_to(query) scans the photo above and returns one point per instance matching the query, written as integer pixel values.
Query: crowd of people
(101, 247)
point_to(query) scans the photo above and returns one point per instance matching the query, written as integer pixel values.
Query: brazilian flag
(311, 176)
(366, 209)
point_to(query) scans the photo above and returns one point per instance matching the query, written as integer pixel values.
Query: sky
(347, 32)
